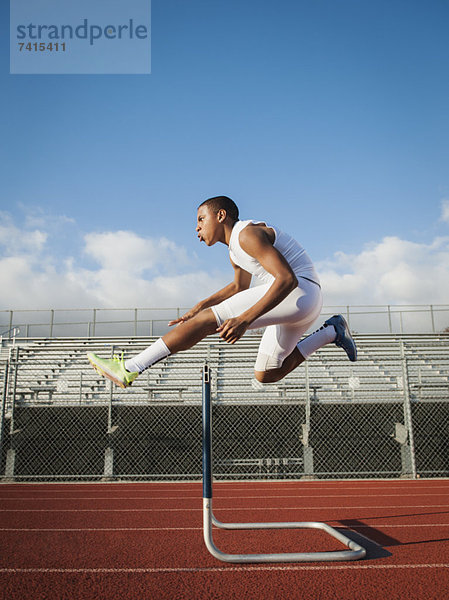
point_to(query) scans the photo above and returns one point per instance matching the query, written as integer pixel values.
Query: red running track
(144, 540)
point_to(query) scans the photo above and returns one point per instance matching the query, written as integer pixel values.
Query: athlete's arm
(256, 242)
(242, 280)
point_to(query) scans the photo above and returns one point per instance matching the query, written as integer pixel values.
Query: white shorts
(285, 324)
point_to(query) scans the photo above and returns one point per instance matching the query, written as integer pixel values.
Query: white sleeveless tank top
(290, 249)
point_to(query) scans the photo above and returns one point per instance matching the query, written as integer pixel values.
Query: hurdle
(355, 551)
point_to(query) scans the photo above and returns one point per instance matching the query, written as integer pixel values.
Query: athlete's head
(216, 216)
(222, 203)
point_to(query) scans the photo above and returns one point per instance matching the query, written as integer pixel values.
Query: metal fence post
(135, 321)
(307, 449)
(389, 319)
(52, 320)
(408, 450)
(11, 453)
(432, 318)
(3, 408)
(111, 392)
(108, 470)
(81, 388)
(94, 321)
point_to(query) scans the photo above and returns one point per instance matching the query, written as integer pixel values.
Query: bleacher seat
(55, 371)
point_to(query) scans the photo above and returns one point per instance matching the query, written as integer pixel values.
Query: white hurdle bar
(355, 551)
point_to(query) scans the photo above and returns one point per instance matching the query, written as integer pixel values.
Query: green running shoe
(112, 368)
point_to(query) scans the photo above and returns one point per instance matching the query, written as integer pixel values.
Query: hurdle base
(355, 551)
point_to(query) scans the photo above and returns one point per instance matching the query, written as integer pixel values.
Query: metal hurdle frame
(355, 551)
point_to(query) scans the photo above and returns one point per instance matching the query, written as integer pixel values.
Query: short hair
(222, 202)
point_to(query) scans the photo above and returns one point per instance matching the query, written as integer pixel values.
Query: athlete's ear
(221, 215)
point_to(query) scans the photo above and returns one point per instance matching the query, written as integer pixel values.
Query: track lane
(159, 552)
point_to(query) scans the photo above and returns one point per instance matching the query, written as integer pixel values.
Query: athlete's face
(208, 225)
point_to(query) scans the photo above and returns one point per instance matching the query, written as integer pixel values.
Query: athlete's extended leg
(189, 333)
(184, 336)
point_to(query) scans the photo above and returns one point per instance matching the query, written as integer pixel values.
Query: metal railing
(99, 322)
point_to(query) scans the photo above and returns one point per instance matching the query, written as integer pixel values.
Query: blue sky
(328, 118)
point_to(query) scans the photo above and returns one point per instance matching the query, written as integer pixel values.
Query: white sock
(148, 357)
(325, 335)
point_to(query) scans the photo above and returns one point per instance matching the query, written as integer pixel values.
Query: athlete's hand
(188, 315)
(233, 329)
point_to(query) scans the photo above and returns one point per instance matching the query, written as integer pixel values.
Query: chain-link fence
(385, 416)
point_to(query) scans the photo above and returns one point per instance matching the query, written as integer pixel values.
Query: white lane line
(221, 509)
(150, 570)
(333, 522)
(216, 496)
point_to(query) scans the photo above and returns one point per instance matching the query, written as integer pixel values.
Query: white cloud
(18, 241)
(392, 271)
(121, 289)
(445, 211)
(25, 285)
(126, 251)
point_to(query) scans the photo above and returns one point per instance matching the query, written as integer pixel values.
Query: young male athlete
(287, 302)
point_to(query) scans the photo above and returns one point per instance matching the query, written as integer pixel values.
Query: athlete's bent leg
(335, 330)
(292, 361)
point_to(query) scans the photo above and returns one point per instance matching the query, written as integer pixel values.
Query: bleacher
(56, 371)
